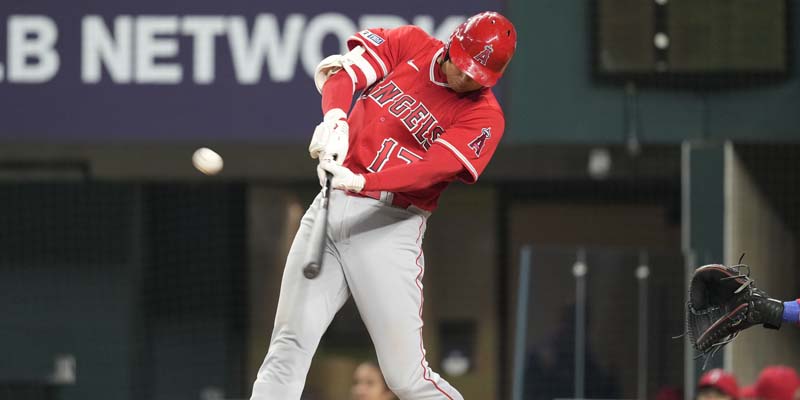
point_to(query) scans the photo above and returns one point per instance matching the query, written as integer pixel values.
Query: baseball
(599, 163)
(207, 161)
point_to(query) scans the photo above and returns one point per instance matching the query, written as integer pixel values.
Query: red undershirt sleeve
(337, 93)
(438, 166)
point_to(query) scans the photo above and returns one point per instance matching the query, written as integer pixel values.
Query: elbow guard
(335, 63)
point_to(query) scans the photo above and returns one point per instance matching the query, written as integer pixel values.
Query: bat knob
(311, 271)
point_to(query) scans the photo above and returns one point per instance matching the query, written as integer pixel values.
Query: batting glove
(343, 178)
(331, 137)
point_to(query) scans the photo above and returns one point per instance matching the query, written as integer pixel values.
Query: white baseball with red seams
(406, 117)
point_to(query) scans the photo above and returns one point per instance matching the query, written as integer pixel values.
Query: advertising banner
(151, 70)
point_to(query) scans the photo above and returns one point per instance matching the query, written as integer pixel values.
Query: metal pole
(642, 274)
(579, 270)
(521, 330)
(689, 363)
(689, 259)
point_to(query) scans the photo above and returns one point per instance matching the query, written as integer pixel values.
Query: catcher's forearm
(791, 312)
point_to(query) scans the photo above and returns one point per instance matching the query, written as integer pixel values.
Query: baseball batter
(425, 117)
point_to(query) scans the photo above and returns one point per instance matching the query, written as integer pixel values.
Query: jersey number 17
(385, 153)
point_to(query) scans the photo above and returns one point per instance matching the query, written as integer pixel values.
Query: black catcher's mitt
(723, 301)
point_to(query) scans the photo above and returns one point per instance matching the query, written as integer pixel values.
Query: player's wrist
(334, 115)
(357, 183)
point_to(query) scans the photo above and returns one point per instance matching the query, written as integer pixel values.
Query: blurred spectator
(717, 385)
(368, 383)
(550, 367)
(774, 383)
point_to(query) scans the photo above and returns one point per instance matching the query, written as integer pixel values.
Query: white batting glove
(331, 137)
(343, 178)
(321, 173)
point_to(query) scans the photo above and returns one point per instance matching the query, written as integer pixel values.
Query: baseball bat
(316, 242)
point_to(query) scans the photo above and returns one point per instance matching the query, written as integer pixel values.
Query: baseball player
(425, 117)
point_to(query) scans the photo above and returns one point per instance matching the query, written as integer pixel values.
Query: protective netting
(132, 291)
(605, 288)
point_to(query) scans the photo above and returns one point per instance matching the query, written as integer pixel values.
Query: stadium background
(125, 273)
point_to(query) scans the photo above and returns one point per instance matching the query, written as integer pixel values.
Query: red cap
(748, 392)
(774, 383)
(719, 379)
(482, 46)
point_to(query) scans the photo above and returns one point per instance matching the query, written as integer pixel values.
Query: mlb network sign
(182, 70)
(146, 49)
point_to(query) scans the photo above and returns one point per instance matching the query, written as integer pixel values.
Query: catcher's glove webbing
(723, 301)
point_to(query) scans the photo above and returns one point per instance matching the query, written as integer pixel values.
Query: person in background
(717, 384)
(368, 383)
(775, 382)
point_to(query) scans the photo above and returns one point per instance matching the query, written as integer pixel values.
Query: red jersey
(407, 110)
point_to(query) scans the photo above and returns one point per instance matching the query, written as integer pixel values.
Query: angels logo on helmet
(483, 46)
(483, 56)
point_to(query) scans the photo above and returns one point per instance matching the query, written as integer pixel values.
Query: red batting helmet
(482, 46)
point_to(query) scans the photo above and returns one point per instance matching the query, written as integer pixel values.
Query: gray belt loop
(387, 198)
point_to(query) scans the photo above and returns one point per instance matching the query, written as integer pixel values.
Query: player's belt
(390, 199)
(384, 197)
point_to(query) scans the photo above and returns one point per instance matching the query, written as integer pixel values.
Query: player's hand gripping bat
(333, 149)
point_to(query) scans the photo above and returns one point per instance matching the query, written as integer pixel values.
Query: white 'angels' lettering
(421, 123)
